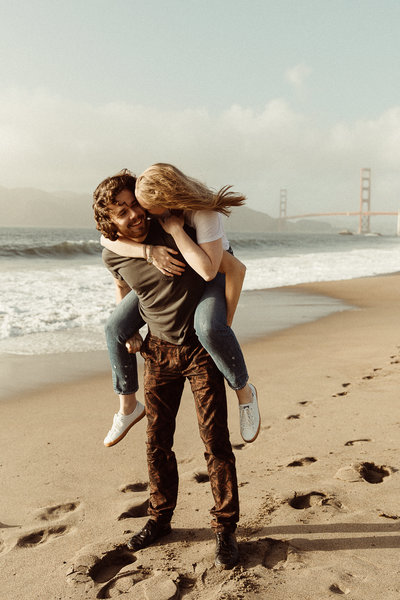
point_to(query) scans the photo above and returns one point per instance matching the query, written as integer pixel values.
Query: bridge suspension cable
(364, 213)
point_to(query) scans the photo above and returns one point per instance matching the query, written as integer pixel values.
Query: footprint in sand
(138, 509)
(276, 554)
(111, 575)
(50, 513)
(89, 567)
(110, 564)
(365, 471)
(343, 392)
(372, 473)
(271, 553)
(301, 462)
(305, 501)
(360, 441)
(238, 446)
(41, 536)
(140, 486)
(337, 589)
(201, 476)
(159, 586)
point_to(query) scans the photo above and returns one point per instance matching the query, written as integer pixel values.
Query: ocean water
(56, 294)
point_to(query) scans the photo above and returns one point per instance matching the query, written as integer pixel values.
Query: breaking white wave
(60, 305)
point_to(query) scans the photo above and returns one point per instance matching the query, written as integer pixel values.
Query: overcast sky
(261, 94)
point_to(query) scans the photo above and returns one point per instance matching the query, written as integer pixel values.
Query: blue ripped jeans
(211, 329)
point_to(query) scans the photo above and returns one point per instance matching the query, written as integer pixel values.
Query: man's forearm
(123, 247)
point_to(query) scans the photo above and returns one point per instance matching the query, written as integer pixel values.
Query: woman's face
(154, 211)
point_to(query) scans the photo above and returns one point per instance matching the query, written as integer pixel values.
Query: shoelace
(117, 421)
(247, 417)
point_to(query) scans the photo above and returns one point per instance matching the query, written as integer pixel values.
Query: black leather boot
(227, 551)
(149, 534)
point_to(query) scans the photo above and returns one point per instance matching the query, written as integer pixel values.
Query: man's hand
(134, 343)
(165, 262)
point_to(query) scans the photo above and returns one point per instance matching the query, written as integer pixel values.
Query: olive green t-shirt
(167, 304)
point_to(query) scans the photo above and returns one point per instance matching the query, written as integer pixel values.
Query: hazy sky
(261, 94)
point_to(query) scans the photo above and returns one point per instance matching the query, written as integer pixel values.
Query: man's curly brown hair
(105, 196)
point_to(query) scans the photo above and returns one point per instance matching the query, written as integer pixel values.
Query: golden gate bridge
(364, 214)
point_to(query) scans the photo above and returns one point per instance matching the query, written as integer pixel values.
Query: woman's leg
(122, 324)
(220, 342)
(217, 338)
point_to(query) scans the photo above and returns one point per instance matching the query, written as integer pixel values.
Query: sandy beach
(319, 489)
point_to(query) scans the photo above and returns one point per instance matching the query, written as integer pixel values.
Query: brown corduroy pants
(166, 368)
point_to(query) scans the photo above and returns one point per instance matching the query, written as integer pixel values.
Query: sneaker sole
(121, 437)
(259, 424)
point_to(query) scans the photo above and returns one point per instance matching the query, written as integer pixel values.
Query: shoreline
(271, 310)
(318, 489)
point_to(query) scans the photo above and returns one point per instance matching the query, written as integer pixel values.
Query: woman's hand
(165, 262)
(172, 224)
(134, 343)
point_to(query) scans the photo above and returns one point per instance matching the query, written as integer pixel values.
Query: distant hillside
(29, 207)
(248, 220)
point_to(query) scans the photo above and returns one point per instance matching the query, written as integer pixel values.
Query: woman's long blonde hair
(165, 185)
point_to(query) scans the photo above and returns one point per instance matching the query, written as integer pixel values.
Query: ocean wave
(55, 297)
(59, 250)
(279, 271)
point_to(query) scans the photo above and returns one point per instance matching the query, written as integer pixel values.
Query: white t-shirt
(208, 225)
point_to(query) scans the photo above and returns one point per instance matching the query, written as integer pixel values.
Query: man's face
(129, 217)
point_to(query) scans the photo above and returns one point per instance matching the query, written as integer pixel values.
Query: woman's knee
(209, 330)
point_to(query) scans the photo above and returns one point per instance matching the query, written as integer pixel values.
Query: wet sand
(259, 313)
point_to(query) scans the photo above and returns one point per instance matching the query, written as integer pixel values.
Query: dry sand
(319, 489)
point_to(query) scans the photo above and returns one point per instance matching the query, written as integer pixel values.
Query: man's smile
(137, 223)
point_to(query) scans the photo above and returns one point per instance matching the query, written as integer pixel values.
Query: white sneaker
(122, 424)
(250, 419)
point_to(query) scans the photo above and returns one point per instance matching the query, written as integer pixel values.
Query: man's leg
(163, 388)
(209, 392)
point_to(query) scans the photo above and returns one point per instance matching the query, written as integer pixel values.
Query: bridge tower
(365, 201)
(282, 209)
